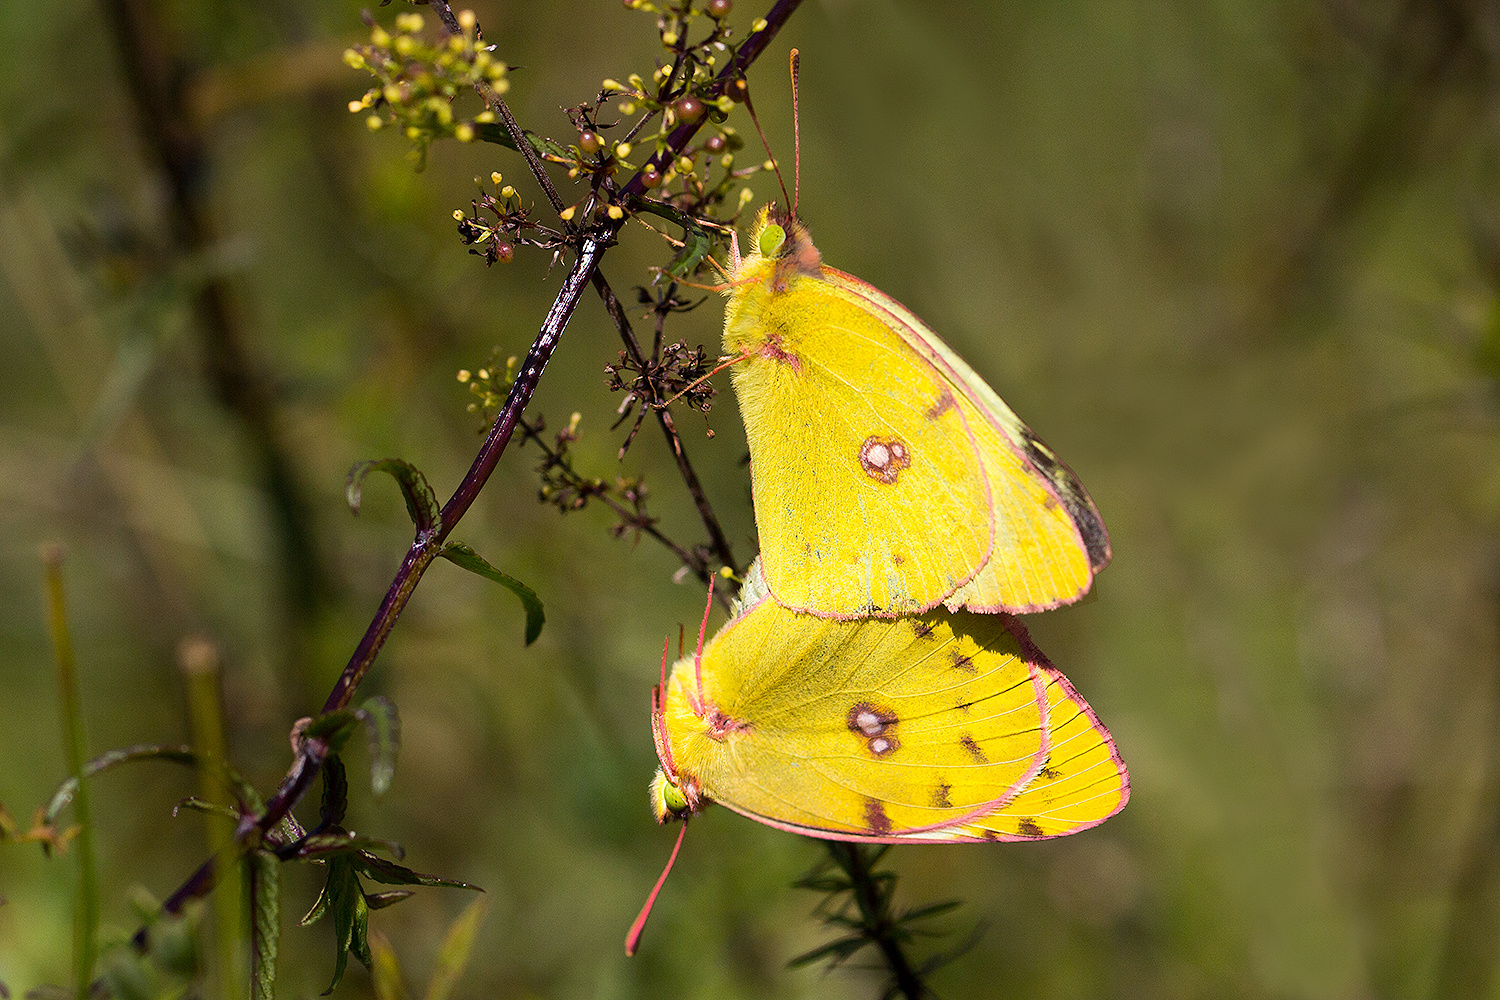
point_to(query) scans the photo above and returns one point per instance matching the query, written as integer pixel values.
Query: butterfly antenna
(702, 630)
(766, 143)
(633, 937)
(724, 363)
(796, 140)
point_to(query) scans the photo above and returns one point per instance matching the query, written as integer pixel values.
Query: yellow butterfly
(887, 476)
(939, 727)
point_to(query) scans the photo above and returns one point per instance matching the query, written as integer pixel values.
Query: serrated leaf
(461, 555)
(458, 943)
(380, 900)
(335, 791)
(421, 503)
(265, 928)
(383, 727)
(389, 873)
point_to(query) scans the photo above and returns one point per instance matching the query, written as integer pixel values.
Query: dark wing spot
(968, 744)
(1048, 774)
(883, 746)
(940, 796)
(1028, 828)
(865, 719)
(875, 818)
(921, 629)
(943, 405)
(989, 834)
(883, 458)
(897, 558)
(963, 662)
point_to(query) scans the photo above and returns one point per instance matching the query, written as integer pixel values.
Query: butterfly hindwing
(868, 729)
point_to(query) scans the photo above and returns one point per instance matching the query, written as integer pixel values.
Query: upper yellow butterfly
(887, 476)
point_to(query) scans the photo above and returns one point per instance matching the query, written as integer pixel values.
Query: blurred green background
(1237, 263)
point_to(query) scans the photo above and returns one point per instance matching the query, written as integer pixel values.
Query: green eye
(771, 239)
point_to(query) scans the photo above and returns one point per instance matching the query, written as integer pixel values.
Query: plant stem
(674, 441)
(86, 909)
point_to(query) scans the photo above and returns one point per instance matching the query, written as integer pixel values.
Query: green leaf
(497, 133)
(696, 243)
(389, 873)
(380, 900)
(461, 555)
(458, 943)
(421, 503)
(265, 929)
(383, 726)
(342, 842)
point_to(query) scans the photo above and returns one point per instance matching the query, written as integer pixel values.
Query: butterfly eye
(771, 239)
(667, 800)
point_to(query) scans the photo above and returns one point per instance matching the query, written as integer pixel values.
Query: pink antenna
(702, 630)
(633, 937)
(796, 142)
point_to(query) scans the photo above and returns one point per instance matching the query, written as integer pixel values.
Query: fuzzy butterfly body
(938, 727)
(888, 478)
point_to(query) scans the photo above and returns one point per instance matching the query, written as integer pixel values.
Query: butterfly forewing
(869, 493)
(863, 729)
(1048, 537)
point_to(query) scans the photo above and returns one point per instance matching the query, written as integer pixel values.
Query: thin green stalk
(199, 660)
(86, 909)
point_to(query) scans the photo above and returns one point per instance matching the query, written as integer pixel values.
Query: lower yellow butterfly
(936, 728)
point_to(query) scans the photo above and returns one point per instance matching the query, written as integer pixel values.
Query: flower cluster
(419, 80)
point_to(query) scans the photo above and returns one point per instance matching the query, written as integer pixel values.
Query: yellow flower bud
(622, 149)
(485, 117)
(566, 214)
(353, 59)
(409, 23)
(507, 192)
(495, 177)
(464, 132)
(463, 375)
(669, 38)
(458, 216)
(467, 20)
(759, 25)
(373, 122)
(356, 106)
(615, 212)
